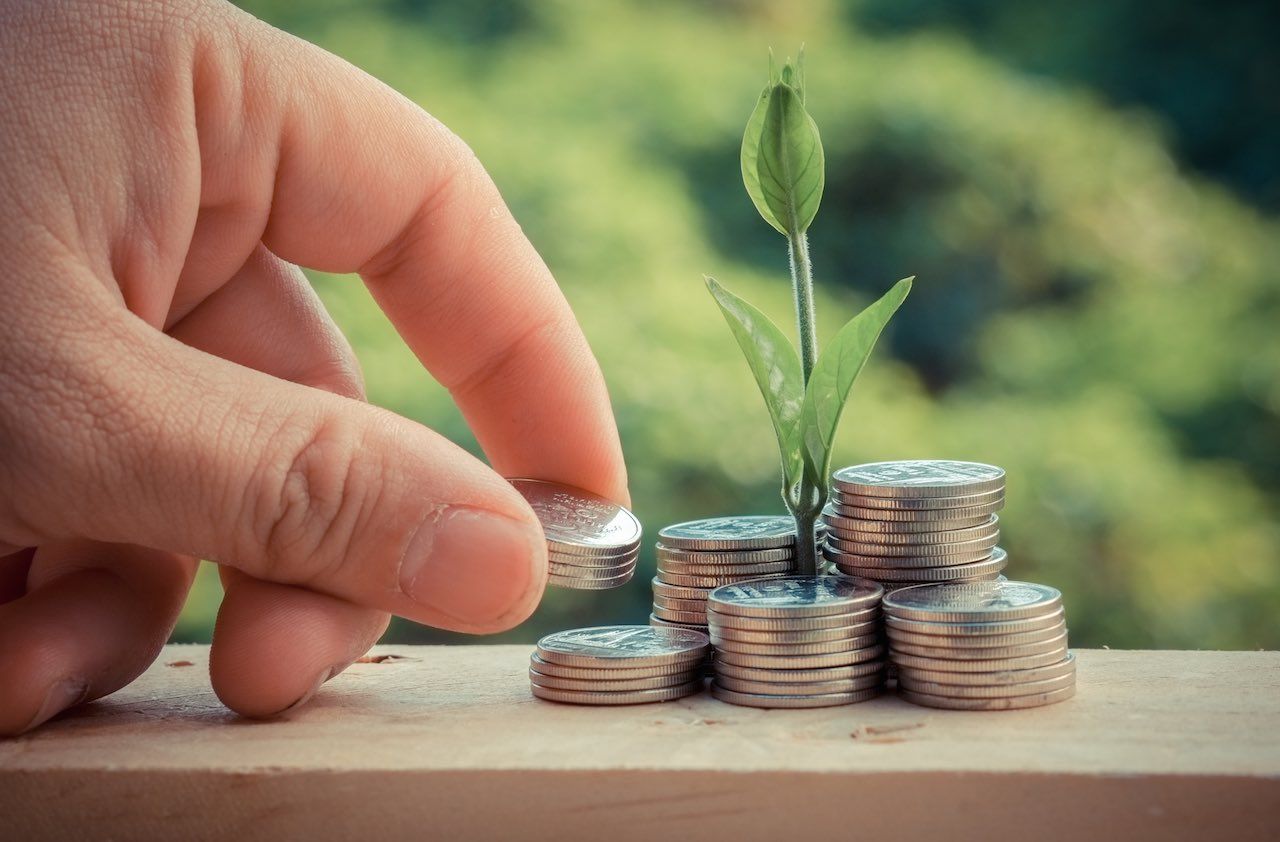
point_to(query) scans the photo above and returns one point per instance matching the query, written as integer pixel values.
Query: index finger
(360, 179)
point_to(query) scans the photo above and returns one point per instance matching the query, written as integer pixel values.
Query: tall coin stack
(797, 642)
(980, 645)
(911, 522)
(618, 665)
(698, 556)
(592, 543)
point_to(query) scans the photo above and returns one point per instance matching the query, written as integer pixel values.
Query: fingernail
(63, 695)
(324, 676)
(470, 564)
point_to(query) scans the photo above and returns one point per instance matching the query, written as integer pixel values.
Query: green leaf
(836, 370)
(790, 166)
(750, 153)
(776, 367)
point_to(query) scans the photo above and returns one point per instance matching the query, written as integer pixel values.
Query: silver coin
(597, 562)
(990, 566)
(577, 583)
(991, 679)
(980, 544)
(757, 700)
(973, 603)
(720, 634)
(727, 556)
(992, 641)
(577, 521)
(576, 572)
(794, 676)
(807, 688)
(851, 528)
(624, 646)
(988, 527)
(698, 606)
(916, 662)
(614, 685)
(967, 513)
(828, 621)
(709, 582)
(919, 478)
(791, 661)
(1012, 703)
(745, 571)
(1053, 618)
(694, 618)
(673, 668)
(740, 532)
(863, 501)
(661, 588)
(1053, 644)
(655, 620)
(795, 596)
(633, 697)
(826, 647)
(844, 554)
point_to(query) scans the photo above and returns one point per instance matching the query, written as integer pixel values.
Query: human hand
(172, 389)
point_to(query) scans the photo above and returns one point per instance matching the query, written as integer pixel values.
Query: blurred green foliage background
(1085, 190)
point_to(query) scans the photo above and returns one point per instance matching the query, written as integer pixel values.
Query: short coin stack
(797, 642)
(618, 665)
(980, 645)
(592, 543)
(903, 523)
(698, 556)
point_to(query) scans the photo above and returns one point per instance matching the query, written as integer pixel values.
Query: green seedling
(784, 171)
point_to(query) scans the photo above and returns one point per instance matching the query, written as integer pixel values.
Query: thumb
(187, 452)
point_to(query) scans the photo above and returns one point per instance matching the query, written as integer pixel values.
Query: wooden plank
(445, 742)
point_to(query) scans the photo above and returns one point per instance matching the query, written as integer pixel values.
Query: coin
(829, 621)
(591, 572)
(997, 562)
(806, 688)
(976, 547)
(634, 697)
(655, 620)
(613, 685)
(978, 602)
(806, 596)
(745, 571)
(1054, 644)
(695, 605)
(625, 646)
(843, 553)
(735, 557)
(988, 527)
(968, 513)
(824, 648)
(987, 641)
(678, 592)
(710, 582)
(919, 478)
(673, 616)
(1011, 703)
(862, 501)
(778, 638)
(759, 700)
(1053, 618)
(673, 668)
(943, 664)
(795, 676)
(577, 521)
(991, 691)
(731, 533)
(987, 679)
(837, 524)
(589, 584)
(793, 661)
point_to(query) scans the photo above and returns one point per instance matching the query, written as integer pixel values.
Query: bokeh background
(1087, 191)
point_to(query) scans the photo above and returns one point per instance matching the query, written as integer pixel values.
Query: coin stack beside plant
(618, 665)
(797, 642)
(980, 645)
(912, 522)
(698, 556)
(592, 542)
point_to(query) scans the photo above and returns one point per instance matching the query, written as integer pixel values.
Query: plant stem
(810, 499)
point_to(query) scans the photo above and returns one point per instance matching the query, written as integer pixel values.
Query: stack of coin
(700, 555)
(905, 523)
(797, 642)
(618, 665)
(592, 543)
(980, 645)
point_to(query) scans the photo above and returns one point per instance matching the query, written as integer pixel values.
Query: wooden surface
(446, 743)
